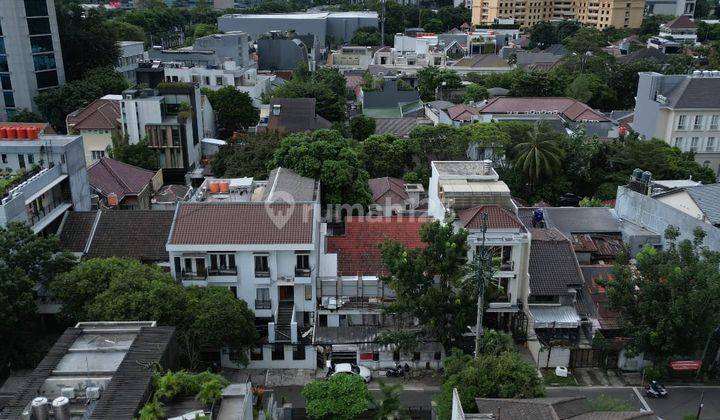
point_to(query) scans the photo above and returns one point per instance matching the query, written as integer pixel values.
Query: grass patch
(553, 380)
(605, 403)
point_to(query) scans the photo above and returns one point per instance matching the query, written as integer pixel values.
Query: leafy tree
(485, 135)
(331, 158)
(430, 78)
(341, 397)
(591, 202)
(124, 31)
(138, 154)
(543, 34)
(605, 403)
(651, 24)
(387, 155)
(389, 407)
(234, 110)
(368, 36)
(445, 308)
(246, 155)
(362, 127)
(475, 93)
(540, 156)
(504, 375)
(702, 9)
(205, 386)
(86, 41)
(25, 115)
(584, 40)
(586, 87)
(326, 85)
(404, 340)
(684, 281)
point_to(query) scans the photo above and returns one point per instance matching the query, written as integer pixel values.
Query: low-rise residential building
(681, 29)
(683, 110)
(701, 202)
(44, 176)
(131, 53)
(136, 234)
(96, 370)
(351, 58)
(123, 186)
(97, 123)
(290, 115)
(286, 51)
(210, 50)
(260, 240)
(393, 196)
(173, 119)
(389, 100)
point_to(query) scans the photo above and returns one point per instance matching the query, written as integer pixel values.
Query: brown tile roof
(358, 249)
(112, 176)
(139, 234)
(242, 224)
(101, 114)
(296, 115)
(572, 109)
(461, 112)
(387, 188)
(76, 229)
(553, 265)
(681, 22)
(482, 60)
(498, 218)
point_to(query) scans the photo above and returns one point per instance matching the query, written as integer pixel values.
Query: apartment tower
(30, 55)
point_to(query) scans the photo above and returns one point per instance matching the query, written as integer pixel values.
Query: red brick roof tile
(498, 218)
(388, 188)
(358, 249)
(112, 176)
(572, 109)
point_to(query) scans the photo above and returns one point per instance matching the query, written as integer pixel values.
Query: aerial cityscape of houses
(410, 209)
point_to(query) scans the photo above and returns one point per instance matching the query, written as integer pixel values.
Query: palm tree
(540, 156)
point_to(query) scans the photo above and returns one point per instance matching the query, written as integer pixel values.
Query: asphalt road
(682, 401)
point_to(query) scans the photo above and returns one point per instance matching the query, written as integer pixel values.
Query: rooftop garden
(10, 179)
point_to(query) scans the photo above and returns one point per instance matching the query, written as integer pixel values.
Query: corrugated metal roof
(555, 316)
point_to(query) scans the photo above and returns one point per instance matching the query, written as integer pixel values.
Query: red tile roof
(572, 109)
(461, 112)
(101, 114)
(681, 22)
(388, 188)
(112, 176)
(242, 224)
(358, 249)
(498, 218)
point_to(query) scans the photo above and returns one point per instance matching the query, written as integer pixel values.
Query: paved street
(682, 401)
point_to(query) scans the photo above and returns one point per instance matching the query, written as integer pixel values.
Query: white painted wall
(559, 356)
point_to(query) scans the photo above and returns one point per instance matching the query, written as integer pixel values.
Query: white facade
(131, 53)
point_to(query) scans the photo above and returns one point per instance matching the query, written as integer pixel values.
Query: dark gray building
(30, 56)
(280, 53)
(208, 50)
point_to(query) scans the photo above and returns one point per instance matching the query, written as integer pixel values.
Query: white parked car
(353, 369)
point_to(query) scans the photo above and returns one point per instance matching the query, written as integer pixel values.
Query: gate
(581, 358)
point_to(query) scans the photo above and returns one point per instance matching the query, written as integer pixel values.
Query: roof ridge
(104, 161)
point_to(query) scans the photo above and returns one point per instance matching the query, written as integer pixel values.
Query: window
(46, 79)
(694, 143)
(178, 266)
(4, 64)
(97, 154)
(39, 26)
(437, 355)
(697, 124)
(263, 294)
(44, 61)
(219, 80)
(5, 82)
(299, 352)
(681, 122)
(261, 266)
(188, 265)
(710, 145)
(396, 356)
(21, 161)
(36, 8)
(714, 120)
(4, 158)
(278, 352)
(416, 356)
(256, 353)
(706, 164)
(9, 99)
(678, 142)
(233, 291)
(222, 264)
(302, 265)
(31, 158)
(308, 292)
(40, 44)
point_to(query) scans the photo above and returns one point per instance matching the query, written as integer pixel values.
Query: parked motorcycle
(656, 390)
(395, 372)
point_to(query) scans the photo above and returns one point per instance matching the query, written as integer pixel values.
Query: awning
(54, 214)
(555, 317)
(45, 189)
(214, 142)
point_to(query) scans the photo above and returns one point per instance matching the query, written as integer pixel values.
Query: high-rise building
(600, 14)
(30, 55)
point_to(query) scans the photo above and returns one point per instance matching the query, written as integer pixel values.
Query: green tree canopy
(387, 155)
(368, 36)
(444, 309)
(138, 154)
(234, 110)
(25, 115)
(328, 156)
(124, 31)
(246, 155)
(669, 301)
(430, 78)
(475, 93)
(341, 397)
(326, 85)
(540, 156)
(362, 127)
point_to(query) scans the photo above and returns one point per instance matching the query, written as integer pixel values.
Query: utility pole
(700, 406)
(481, 262)
(382, 23)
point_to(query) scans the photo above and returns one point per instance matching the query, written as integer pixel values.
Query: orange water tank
(22, 133)
(3, 133)
(224, 187)
(32, 133)
(214, 187)
(12, 132)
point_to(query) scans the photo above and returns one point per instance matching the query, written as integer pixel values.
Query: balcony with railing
(193, 276)
(263, 304)
(302, 275)
(222, 271)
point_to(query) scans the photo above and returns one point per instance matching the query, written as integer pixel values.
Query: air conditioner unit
(92, 392)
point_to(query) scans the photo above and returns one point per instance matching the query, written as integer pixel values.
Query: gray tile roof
(553, 265)
(75, 230)
(285, 184)
(707, 197)
(400, 127)
(696, 93)
(138, 234)
(570, 220)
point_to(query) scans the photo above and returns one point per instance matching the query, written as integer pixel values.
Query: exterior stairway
(284, 319)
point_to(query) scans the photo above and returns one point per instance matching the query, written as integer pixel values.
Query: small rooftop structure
(282, 186)
(95, 370)
(293, 115)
